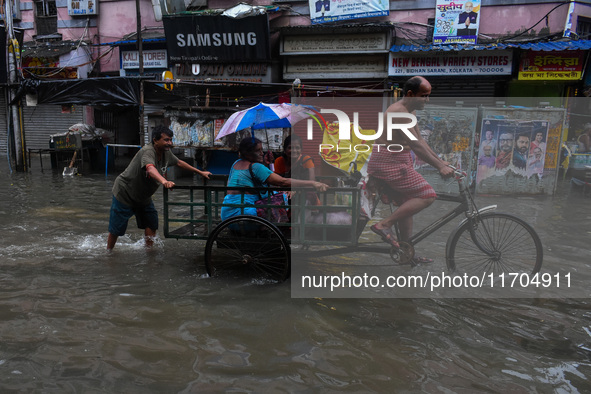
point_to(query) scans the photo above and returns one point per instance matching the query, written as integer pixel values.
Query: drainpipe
(141, 69)
(15, 128)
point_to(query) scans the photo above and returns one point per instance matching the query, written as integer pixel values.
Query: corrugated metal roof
(534, 46)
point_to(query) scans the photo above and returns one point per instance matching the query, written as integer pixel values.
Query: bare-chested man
(413, 193)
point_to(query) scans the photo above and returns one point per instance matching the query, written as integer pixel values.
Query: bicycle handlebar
(458, 173)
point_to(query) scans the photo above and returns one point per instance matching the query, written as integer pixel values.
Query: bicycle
(485, 241)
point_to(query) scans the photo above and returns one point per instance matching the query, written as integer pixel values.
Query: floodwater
(74, 319)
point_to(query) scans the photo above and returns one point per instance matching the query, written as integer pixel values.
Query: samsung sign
(216, 38)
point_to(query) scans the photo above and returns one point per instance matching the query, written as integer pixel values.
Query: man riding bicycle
(411, 191)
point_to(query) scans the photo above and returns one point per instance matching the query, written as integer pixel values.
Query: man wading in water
(134, 188)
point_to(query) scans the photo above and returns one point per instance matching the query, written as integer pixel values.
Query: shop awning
(534, 46)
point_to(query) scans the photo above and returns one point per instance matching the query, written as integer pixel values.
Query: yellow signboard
(550, 75)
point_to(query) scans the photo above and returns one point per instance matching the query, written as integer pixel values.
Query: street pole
(141, 69)
(15, 128)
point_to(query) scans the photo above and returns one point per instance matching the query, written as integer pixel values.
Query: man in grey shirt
(134, 187)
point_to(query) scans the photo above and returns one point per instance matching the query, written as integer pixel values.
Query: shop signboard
(519, 150)
(154, 58)
(67, 141)
(456, 22)
(346, 67)
(244, 72)
(325, 11)
(335, 43)
(47, 68)
(553, 65)
(82, 7)
(216, 39)
(497, 62)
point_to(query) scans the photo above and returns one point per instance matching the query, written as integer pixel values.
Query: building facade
(297, 48)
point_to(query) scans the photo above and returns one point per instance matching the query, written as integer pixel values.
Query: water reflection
(76, 319)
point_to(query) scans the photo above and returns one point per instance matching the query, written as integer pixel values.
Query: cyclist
(411, 191)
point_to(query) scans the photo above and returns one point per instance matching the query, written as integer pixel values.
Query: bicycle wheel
(248, 245)
(494, 243)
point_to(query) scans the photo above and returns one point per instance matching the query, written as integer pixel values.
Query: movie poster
(518, 146)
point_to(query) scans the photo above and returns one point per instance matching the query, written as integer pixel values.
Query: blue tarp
(534, 46)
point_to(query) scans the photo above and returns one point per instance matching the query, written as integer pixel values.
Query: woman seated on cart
(293, 164)
(251, 165)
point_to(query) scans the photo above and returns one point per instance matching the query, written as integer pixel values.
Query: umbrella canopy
(265, 116)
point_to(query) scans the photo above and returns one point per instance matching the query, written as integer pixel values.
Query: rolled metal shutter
(149, 109)
(42, 121)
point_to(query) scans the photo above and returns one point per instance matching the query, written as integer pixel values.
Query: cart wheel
(249, 245)
(404, 254)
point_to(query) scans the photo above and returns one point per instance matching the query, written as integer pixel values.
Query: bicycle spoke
(496, 243)
(249, 245)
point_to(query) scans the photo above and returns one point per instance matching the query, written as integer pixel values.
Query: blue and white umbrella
(265, 116)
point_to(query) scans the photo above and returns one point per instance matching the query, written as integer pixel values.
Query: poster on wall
(449, 131)
(512, 145)
(188, 132)
(324, 11)
(456, 22)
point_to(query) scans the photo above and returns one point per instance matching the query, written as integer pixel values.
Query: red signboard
(551, 65)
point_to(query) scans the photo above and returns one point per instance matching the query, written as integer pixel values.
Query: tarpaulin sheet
(122, 91)
(114, 91)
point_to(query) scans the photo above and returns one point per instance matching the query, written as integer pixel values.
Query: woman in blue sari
(251, 165)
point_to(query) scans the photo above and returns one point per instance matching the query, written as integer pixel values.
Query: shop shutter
(469, 87)
(42, 121)
(150, 110)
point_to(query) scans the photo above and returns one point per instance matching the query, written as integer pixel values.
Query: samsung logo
(216, 39)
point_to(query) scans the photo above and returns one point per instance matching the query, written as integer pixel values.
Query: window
(584, 28)
(45, 17)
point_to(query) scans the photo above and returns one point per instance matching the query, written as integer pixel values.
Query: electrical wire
(543, 18)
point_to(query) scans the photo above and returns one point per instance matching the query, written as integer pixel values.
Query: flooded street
(74, 319)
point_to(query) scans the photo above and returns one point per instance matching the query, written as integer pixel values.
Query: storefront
(222, 66)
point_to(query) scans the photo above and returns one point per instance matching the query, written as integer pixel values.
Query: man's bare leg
(111, 240)
(149, 235)
(405, 221)
(403, 215)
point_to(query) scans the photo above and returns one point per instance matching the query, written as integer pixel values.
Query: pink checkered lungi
(396, 168)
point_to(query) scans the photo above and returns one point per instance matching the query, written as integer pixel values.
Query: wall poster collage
(510, 144)
(449, 131)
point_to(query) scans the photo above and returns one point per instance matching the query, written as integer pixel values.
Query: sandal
(421, 260)
(386, 234)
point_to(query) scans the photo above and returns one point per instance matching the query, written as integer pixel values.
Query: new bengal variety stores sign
(213, 39)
